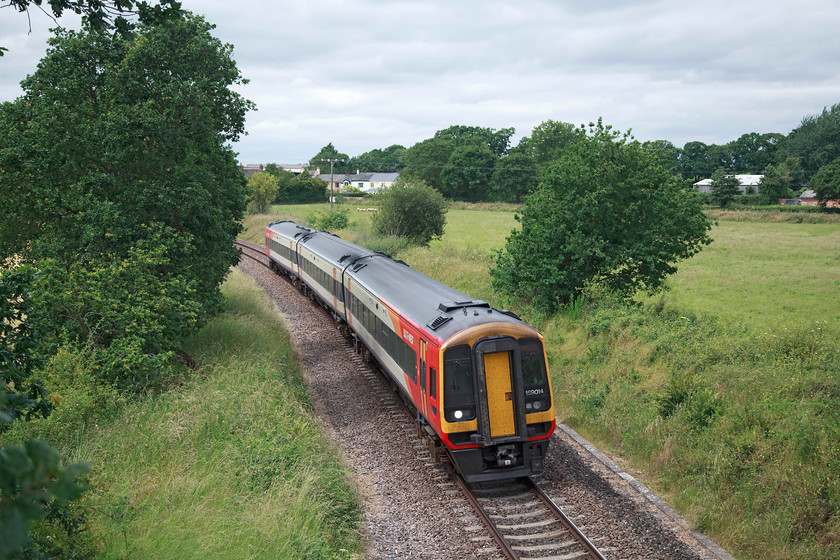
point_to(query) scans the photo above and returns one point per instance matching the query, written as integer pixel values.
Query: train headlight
(459, 414)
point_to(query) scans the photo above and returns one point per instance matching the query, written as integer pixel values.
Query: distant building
(251, 168)
(370, 183)
(748, 184)
(809, 198)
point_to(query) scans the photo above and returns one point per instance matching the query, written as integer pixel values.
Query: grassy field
(722, 394)
(764, 274)
(231, 463)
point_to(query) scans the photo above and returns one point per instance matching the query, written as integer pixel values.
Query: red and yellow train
(477, 376)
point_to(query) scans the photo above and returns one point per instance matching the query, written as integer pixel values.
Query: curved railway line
(521, 518)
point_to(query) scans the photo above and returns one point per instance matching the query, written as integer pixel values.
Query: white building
(749, 184)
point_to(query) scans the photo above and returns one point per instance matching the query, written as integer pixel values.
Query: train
(476, 377)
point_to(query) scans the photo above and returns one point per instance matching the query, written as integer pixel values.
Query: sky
(367, 74)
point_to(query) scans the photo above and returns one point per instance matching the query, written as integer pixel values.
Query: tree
(607, 211)
(515, 177)
(425, 161)
(330, 156)
(752, 152)
(389, 160)
(117, 181)
(779, 180)
(467, 174)
(667, 153)
(826, 182)
(412, 210)
(724, 187)
(460, 135)
(816, 141)
(548, 140)
(694, 161)
(263, 187)
(102, 14)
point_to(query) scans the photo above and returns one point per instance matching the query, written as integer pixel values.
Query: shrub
(415, 211)
(337, 219)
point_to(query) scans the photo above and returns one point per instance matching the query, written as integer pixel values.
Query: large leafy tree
(548, 140)
(816, 141)
(118, 183)
(826, 182)
(780, 180)
(101, 14)
(389, 160)
(329, 156)
(752, 152)
(467, 174)
(607, 211)
(425, 161)
(694, 162)
(515, 177)
(497, 140)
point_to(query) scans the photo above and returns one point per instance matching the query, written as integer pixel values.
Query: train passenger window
(533, 363)
(410, 363)
(458, 391)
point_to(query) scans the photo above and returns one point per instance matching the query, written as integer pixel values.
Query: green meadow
(722, 391)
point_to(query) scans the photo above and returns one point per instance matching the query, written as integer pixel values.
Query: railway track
(252, 253)
(522, 520)
(525, 522)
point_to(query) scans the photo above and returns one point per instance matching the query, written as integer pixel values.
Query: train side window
(432, 383)
(410, 362)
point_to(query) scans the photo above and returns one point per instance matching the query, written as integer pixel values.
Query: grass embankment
(231, 463)
(723, 394)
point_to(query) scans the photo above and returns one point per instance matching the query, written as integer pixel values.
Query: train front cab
(497, 403)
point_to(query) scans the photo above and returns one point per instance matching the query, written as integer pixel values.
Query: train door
(422, 376)
(501, 414)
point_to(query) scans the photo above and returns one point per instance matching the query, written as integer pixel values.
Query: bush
(415, 211)
(337, 219)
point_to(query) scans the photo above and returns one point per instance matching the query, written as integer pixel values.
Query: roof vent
(449, 306)
(438, 322)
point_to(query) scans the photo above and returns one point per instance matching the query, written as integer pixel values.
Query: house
(370, 183)
(809, 198)
(749, 184)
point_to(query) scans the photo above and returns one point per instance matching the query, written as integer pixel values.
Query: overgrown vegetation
(229, 463)
(738, 426)
(119, 187)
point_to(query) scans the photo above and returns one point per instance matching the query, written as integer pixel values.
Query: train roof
(334, 249)
(430, 304)
(289, 229)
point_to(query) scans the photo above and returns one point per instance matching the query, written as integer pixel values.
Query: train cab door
(422, 377)
(501, 410)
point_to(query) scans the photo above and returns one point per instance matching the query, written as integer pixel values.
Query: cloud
(366, 74)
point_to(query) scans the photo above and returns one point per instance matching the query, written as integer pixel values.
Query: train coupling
(507, 456)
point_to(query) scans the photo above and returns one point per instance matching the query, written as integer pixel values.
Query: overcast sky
(370, 73)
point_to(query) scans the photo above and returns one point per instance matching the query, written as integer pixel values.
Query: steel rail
(591, 549)
(482, 515)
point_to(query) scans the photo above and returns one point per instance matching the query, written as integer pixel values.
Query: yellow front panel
(499, 394)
